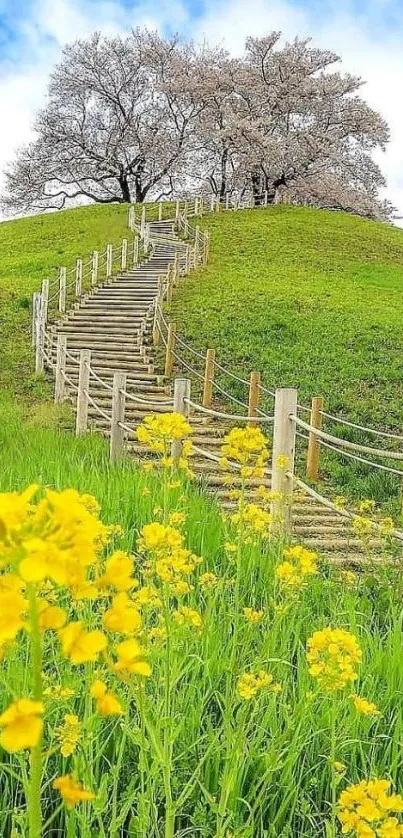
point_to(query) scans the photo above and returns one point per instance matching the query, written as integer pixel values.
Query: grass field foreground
(182, 696)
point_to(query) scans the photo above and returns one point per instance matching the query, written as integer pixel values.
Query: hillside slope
(312, 299)
(31, 249)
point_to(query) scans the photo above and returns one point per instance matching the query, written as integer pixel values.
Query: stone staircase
(115, 322)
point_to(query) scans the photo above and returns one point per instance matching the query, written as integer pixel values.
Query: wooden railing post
(160, 211)
(39, 339)
(124, 254)
(170, 282)
(82, 394)
(175, 272)
(60, 383)
(212, 203)
(136, 248)
(254, 395)
(169, 357)
(79, 277)
(118, 416)
(94, 267)
(312, 464)
(208, 378)
(283, 458)
(197, 245)
(227, 201)
(109, 260)
(62, 290)
(45, 300)
(187, 262)
(36, 309)
(181, 397)
(131, 219)
(143, 221)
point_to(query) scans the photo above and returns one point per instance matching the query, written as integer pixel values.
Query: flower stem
(34, 793)
(333, 770)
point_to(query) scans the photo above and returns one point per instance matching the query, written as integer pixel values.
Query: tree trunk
(125, 189)
(223, 184)
(257, 187)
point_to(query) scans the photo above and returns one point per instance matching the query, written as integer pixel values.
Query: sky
(367, 34)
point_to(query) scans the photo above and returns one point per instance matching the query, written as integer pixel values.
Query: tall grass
(189, 757)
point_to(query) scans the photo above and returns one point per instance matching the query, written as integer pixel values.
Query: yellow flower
(145, 492)
(386, 527)
(247, 447)
(253, 616)
(369, 809)
(158, 537)
(158, 431)
(332, 655)
(339, 767)
(347, 576)
(230, 547)
(131, 659)
(340, 502)
(208, 581)
(81, 646)
(147, 597)
(13, 608)
(68, 734)
(299, 563)
(118, 572)
(367, 708)
(176, 519)
(22, 725)
(57, 692)
(72, 791)
(249, 684)
(123, 615)
(51, 616)
(362, 527)
(188, 617)
(148, 467)
(252, 520)
(366, 506)
(283, 462)
(106, 702)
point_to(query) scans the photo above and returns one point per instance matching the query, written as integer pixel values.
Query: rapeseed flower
(369, 810)
(123, 615)
(208, 581)
(21, 725)
(68, 734)
(367, 708)
(79, 645)
(248, 448)
(130, 659)
(158, 431)
(71, 791)
(185, 616)
(118, 572)
(253, 616)
(298, 565)
(250, 684)
(332, 656)
(106, 702)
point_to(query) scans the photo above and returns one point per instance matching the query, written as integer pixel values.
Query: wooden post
(169, 358)
(39, 340)
(196, 207)
(254, 395)
(212, 202)
(170, 282)
(79, 277)
(62, 290)
(131, 219)
(124, 254)
(109, 260)
(160, 211)
(227, 201)
(136, 246)
(82, 394)
(197, 245)
(177, 210)
(143, 221)
(266, 197)
(60, 383)
(187, 262)
(181, 395)
(94, 267)
(36, 309)
(175, 272)
(146, 238)
(283, 457)
(312, 464)
(208, 378)
(156, 323)
(118, 416)
(45, 300)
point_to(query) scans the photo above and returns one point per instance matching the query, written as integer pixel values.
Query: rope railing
(208, 411)
(344, 443)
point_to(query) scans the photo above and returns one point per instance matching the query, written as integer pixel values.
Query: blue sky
(368, 34)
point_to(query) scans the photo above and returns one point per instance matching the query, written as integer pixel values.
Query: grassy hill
(31, 249)
(312, 299)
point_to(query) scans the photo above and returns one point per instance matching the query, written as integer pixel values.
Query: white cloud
(366, 45)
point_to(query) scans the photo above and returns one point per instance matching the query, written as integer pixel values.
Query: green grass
(258, 769)
(311, 299)
(31, 249)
